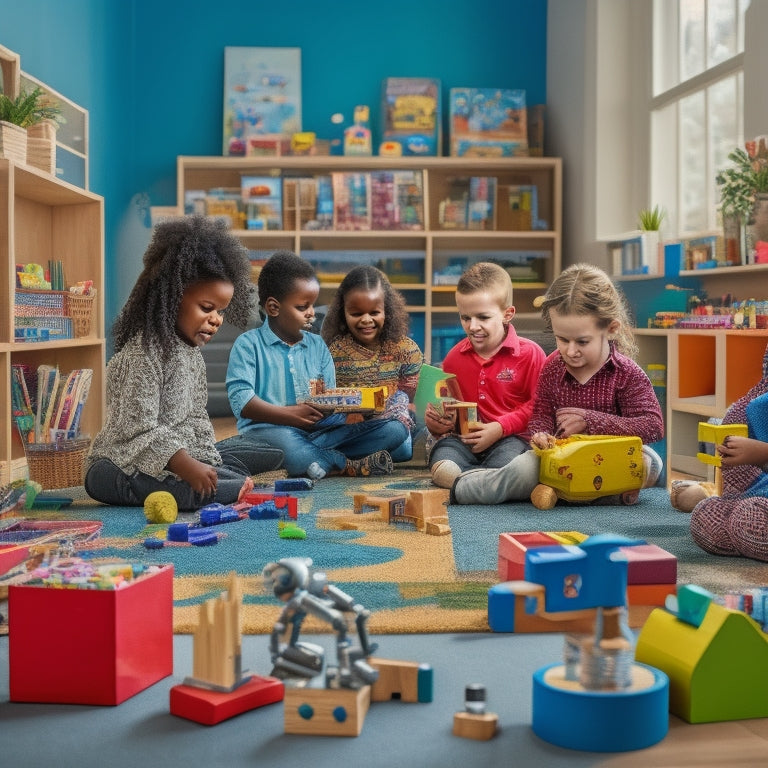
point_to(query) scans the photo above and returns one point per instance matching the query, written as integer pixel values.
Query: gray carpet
(476, 530)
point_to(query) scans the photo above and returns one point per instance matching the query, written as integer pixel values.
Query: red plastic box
(78, 646)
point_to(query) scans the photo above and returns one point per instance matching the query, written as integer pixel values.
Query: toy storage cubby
(43, 218)
(418, 261)
(707, 370)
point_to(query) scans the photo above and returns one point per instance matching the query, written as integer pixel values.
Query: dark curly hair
(279, 275)
(183, 251)
(367, 278)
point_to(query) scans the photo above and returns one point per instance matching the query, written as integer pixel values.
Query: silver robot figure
(305, 591)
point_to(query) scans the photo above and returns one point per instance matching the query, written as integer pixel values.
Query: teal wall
(150, 72)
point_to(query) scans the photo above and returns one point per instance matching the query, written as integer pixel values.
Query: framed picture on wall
(262, 95)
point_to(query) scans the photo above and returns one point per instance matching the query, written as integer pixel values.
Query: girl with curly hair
(157, 435)
(366, 329)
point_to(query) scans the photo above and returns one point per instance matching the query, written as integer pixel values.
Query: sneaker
(444, 473)
(652, 466)
(379, 463)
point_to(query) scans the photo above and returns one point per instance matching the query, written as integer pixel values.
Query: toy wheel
(567, 715)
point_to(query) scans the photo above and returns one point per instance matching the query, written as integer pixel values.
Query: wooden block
(649, 594)
(403, 680)
(471, 726)
(210, 707)
(326, 711)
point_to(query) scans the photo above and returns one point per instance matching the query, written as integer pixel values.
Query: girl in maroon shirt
(589, 385)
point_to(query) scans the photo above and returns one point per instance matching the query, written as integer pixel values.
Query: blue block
(178, 532)
(501, 608)
(424, 683)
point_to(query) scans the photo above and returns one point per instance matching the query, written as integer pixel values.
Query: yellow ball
(160, 507)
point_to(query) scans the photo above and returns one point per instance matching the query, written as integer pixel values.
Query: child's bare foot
(247, 488)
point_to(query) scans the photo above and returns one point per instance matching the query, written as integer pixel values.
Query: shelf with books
(391, 212)
(44, 219)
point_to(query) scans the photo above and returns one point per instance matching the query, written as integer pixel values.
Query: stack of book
(53, 414)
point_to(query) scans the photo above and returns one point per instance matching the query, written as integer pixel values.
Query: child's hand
(201, 477)
(542, 440)
(736, 450)
(482, 436)
(570, 421)
(302, 415)
(439, 423)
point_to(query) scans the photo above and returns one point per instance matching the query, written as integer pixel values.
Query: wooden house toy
(424, 509)
(716, 658)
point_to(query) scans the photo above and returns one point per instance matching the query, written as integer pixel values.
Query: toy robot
(304, 591)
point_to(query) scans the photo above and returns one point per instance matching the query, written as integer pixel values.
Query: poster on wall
(262, 97)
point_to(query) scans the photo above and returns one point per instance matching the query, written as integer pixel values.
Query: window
(696, 105)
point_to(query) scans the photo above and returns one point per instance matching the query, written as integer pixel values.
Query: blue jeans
(330, 443)
(498, 455)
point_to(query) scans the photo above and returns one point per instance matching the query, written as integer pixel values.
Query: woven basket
(80, 309)
(57, 465)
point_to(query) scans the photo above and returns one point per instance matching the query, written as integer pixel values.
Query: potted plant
(29, 108)
(743, 191)
(649, 222)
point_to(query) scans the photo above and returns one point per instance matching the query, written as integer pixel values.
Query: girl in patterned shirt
(589, 385)
(366, 331)
(157, 435)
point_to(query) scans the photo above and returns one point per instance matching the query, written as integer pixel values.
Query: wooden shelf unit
(43, 218)
(432, 307)
(707, 370)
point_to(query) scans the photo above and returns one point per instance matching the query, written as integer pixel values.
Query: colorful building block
(326, 711)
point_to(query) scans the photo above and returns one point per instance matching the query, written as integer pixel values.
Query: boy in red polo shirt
(494, 368)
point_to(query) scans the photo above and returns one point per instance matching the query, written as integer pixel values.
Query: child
(589, 385)
(494, 368)
(268, 381)
(365, 330)
(736, 523)
(157, 435)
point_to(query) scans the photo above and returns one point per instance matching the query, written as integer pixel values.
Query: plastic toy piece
(291, 531)
(294, 484)
(717, 666)
(217, 514)
(587, 467)
(402, 680)
(690, 605)
(285, 503)
(218, 688)
(326, 711)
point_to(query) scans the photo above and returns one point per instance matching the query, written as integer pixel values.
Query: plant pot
(13, 142)
(757, 226)
(41, 146)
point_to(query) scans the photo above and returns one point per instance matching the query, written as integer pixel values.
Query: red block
(81, 646)
(211, 707)
(646, 563)
(649, 564)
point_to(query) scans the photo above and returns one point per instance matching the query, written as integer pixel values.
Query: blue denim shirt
(262, 365)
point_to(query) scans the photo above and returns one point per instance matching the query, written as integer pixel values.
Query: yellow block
(712, 435)
(585, 467)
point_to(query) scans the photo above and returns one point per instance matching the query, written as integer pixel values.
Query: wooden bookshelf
(43, 218)
(414, 259)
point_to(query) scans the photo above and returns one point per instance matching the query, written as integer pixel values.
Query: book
(488, 122)
(397, 200)
(263, 200)
(481, 204)
(47, 386)
(351, 200)
(411, 112)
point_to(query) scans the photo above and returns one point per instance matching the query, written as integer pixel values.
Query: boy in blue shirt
(268, 380)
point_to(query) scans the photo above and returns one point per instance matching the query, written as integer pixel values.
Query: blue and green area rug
(409, 580)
